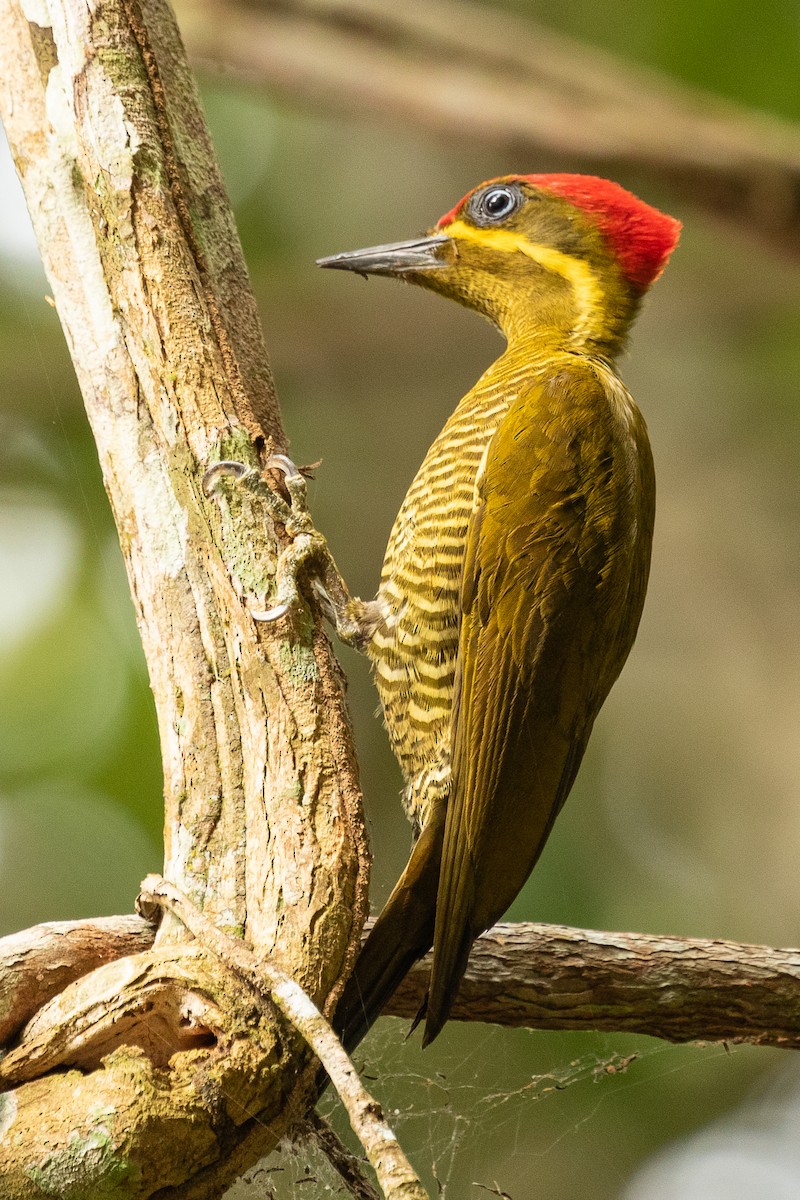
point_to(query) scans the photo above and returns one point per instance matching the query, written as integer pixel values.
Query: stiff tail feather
(402, 934)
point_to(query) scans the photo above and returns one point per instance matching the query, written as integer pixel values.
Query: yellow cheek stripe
(588, 294)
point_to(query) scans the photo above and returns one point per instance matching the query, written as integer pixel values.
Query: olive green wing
(548, 615)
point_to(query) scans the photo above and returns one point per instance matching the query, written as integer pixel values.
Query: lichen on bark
(193, 1075)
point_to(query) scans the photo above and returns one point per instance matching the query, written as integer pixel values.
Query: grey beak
(397, 258)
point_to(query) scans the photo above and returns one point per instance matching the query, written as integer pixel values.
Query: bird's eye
(495, 204)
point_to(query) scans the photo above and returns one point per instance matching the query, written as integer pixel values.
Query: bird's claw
(306, 544)
(227, 469)
(354, 620)
(298, 518)
(294, 515)
(282, 462)
(304, 549)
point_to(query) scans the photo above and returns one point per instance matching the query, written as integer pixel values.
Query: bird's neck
(579, 311)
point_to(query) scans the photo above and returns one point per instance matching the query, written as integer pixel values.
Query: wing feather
(555, 567)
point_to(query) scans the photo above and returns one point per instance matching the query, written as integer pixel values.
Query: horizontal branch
(479, 76)
(678, 989)
(38, 963)
(536, 976)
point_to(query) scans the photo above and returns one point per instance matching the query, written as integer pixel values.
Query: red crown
(641, 237)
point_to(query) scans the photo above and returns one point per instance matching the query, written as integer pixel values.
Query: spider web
(475, 1118)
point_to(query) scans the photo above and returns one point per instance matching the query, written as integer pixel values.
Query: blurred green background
(685, 817)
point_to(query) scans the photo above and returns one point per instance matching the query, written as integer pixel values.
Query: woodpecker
(515, 573)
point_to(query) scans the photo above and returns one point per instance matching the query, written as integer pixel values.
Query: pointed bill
(396, 258)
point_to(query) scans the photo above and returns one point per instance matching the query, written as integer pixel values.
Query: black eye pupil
(498, 202)
(494, 204)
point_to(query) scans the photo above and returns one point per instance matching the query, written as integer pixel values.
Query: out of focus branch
(480, 76)
(536, 976)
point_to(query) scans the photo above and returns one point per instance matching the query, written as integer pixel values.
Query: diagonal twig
(395, 1174)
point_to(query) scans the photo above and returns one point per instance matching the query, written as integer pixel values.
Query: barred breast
(414, 651)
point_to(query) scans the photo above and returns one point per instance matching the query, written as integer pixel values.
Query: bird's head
(569, 253)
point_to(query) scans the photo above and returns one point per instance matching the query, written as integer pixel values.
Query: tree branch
(484, 77)
(678, 989)
(38, 963)
(553, 977)
(392, 1168)
(343, 1161)
(155, 1072)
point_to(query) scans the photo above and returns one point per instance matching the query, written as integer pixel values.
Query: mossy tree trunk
(161, 1070)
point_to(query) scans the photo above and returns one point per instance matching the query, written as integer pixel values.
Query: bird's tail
(402, 934)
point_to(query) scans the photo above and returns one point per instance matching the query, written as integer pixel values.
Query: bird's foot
(294, 516)
(308, 549)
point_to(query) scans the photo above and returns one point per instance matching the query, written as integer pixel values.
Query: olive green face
(523, 257)
(518, 207)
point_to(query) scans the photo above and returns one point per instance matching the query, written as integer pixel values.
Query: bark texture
(678, 989)
(149, 1074)
(36, 964)
(523, 975)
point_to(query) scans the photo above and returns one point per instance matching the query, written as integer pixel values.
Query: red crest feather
(641, 237)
